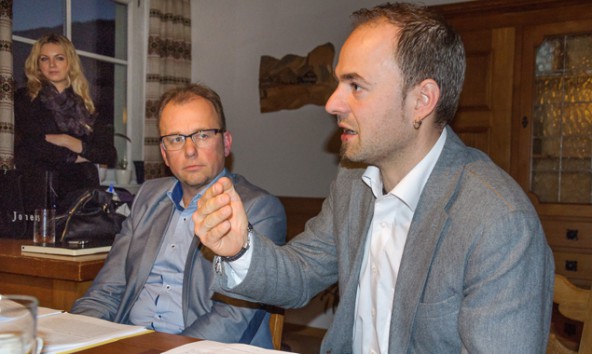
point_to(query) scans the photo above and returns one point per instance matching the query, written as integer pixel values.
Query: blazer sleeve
(228, 319)
(290, 275)
(508, 288)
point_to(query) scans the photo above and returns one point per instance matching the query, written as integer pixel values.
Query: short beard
(347, 163)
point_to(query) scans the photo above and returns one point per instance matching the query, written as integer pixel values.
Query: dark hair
(184, 94)
(427, 48)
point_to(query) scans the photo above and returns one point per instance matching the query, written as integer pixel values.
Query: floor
(300, 339)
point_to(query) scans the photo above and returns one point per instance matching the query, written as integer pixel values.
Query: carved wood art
(294, 81)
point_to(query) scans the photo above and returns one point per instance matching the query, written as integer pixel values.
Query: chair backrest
(576, 304)
(276, 326)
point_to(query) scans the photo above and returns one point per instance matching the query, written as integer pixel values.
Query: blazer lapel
(354, 235)
(150, 239)
(427, 227)
(146, 244)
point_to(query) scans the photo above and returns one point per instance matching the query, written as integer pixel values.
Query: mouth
(193, 167)
(347, 135)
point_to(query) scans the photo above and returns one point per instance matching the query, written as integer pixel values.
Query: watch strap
(243, 250)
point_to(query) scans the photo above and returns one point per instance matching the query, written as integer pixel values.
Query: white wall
(284, 152)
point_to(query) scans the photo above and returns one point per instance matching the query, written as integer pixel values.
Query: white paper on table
(212, 347)
(62, 331)
(46, 311)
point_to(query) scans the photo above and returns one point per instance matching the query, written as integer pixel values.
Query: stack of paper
(62, 331)
(66, 250)
(208, 347)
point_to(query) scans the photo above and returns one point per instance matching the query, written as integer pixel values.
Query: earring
(416, 124)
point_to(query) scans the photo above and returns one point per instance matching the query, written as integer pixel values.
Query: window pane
(98, 26)
(107, 83)
(34, 18)
(100, 80)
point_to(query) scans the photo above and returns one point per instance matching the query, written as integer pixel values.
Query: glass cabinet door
(562, 120)
(556, 126)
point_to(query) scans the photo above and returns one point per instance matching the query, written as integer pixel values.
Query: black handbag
(14, 221)
(91, 217)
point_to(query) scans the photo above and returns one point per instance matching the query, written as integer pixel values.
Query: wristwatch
(243, 250)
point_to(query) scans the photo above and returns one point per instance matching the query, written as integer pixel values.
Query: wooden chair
(276, 326)
(576, 304)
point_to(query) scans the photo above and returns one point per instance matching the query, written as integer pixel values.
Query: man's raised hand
(220, 220)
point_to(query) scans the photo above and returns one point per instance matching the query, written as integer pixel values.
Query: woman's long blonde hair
(76, 78)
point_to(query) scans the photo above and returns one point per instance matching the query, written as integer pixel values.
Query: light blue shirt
(159, 305)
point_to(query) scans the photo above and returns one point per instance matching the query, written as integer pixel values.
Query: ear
(227, 143)
(427, 97)
(164, 155)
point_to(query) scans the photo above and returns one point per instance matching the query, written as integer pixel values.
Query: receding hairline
(185, 99)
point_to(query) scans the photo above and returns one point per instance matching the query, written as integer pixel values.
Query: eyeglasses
(200, 138)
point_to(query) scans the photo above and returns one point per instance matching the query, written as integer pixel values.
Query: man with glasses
(158, 274)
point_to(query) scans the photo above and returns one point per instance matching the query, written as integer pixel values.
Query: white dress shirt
(384, 247)
(383, 252)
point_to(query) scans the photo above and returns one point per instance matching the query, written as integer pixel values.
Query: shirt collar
(410, 187)
(175, 194)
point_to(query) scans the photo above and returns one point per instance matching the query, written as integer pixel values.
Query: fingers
(220, 220)
(212, 209)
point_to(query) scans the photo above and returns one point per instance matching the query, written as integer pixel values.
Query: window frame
(137, 18)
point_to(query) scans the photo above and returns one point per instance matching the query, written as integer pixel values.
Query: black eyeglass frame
(190, 136)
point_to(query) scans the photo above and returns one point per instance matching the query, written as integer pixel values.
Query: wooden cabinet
(529, 107)
(484, 116)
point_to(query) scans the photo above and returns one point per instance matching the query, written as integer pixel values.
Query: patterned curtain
(168, 66)
(6, 86)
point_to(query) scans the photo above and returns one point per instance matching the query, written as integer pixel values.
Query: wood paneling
(56, 281)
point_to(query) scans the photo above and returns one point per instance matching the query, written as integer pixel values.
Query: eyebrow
(195, 131)
(353, 77)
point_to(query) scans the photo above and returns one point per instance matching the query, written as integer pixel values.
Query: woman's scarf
(69, 111)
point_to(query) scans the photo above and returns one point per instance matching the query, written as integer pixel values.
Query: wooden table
(57, 281)
(150, 343)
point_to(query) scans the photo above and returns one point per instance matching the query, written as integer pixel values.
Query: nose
(189, 148)
(335, 104)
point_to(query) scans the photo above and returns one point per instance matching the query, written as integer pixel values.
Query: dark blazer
(206, 315)
(33, 155)
(476, 274)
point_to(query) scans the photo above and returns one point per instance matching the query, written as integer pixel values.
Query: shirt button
(173, 245)
(168, 287)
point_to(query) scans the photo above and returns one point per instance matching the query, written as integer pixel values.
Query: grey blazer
(206, 315)
(476, 274)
